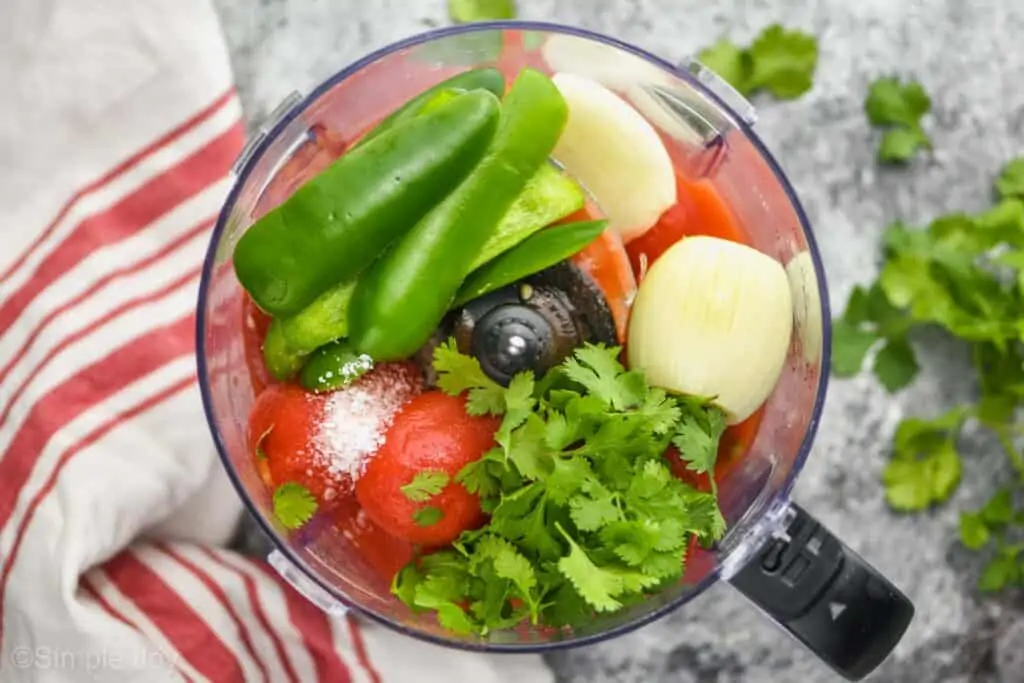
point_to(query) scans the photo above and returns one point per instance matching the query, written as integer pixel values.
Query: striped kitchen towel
(118, 126)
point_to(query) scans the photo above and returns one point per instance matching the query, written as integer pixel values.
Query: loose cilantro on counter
(898, 107)
(466, 11)
(781, 61)
(585, 513)
(963, 274)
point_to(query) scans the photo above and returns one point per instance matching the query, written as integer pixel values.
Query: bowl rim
(779, 496)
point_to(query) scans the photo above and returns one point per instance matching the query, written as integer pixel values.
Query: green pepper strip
(543, 249)
(475, 79)
(346, 216)
(402, 297)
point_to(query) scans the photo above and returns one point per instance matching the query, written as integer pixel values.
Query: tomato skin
(283, 423)
(385, 553)
(254, 329)
(431, 432)
(699, 210)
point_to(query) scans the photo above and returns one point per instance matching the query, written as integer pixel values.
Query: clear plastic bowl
(774, 552)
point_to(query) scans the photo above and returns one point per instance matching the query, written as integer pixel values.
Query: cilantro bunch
(585, 514)
(963, 274)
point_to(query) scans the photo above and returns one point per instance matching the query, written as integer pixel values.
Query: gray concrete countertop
(969, 56)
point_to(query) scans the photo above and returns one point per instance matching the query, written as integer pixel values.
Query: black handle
(823, 593)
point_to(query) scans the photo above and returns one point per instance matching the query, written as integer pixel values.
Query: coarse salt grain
(356, 419)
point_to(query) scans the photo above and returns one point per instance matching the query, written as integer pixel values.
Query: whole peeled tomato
(431, 434)
(282, 437)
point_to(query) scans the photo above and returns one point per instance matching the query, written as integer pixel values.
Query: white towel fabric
(118, 126)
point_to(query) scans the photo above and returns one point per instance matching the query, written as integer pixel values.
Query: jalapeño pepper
(348, 215)
(401, 298)
(474, 79)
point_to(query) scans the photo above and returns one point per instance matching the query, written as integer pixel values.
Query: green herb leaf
(293, 504)
(729, 62)
(458, 373)
(428, 516)
(1001, 571)
(1011, 179)
(900, 107)
(425, 485)
(998, 511)
(899, 145)
(891, 103)
(895, 365)
(915, 483)
(466, 11)
(597, 368)
(783, 62)
(850, 345)
(974, 533)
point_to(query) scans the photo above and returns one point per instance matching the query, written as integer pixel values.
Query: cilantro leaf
(425, 485)
(568, 476)
(974, 533)
(595, 509)
(1011, 179)
(697, 439)
(597, 368)
(293, 504)
(519, 405)
(477, 477)
(900, 107)
(730, 62)
(594, 584)
(895, 365)
(891, 103)
(850, 345)
(526, 447)
(783, 62)
(467, 11)
(511, 565)
(1002, 571)
(428, 516)
(998, 511)
(899, 145)
(458, 373)
(915, 483)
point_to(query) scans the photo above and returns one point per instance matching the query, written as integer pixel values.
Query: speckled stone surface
(970, 57)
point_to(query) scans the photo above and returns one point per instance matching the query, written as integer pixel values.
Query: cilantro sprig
(963, 274)
(294, 505)
(585, 513)
(899, 108)
(781, 61)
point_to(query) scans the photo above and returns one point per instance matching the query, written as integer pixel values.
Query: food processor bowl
(775, 553)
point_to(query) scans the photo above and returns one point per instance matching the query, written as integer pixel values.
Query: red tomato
(699, 210)
(732, 448)
(385, 553)
(254, 328)
(431, 432)
(606, 261)
(283, 423)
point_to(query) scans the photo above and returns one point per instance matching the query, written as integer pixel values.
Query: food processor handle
(825, 595)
